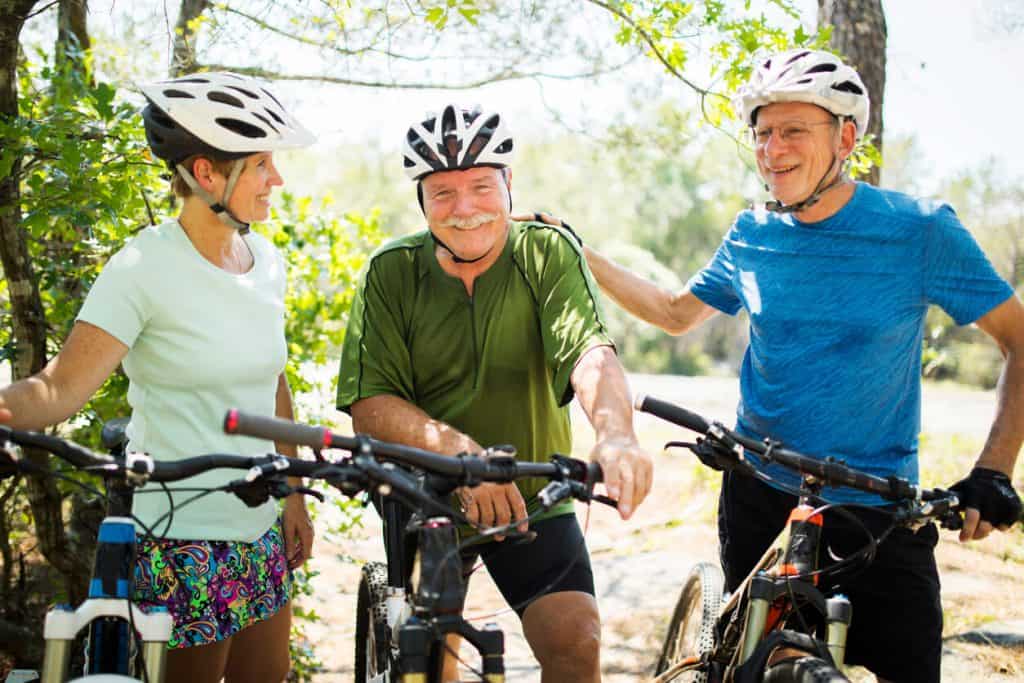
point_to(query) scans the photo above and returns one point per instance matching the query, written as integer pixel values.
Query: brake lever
(306, 491)
(952, 520)
(521, 537)
(557, 491)
(605, 500)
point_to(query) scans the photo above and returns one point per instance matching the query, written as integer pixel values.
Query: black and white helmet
(219, 114)
(804, 75)
(457, 139)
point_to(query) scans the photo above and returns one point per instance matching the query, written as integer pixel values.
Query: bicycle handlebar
(109, 466)
(575, 478)
(465, 469)
(828, 470)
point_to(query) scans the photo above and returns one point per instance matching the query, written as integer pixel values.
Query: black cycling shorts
(556, 561)
(896, 630)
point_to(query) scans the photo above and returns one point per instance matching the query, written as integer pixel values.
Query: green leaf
(437, 16)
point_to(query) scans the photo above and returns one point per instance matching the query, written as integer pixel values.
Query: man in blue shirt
(836, 277)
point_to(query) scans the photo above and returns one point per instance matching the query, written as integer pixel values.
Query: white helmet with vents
(221, 114)
(805, 75)
(457, 139)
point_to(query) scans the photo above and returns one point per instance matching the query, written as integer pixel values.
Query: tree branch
(42, 9)
(183, 60)
(503, 75)
(654, 48)
(348, 52)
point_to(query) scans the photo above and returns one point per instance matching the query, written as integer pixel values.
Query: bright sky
(950, 82)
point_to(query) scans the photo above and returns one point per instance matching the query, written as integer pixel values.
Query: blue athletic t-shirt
(837, 314)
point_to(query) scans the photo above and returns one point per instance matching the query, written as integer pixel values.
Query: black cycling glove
(991, 493)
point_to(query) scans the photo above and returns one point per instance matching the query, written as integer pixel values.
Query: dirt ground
(640, 565)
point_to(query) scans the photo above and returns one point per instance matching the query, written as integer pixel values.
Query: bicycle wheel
(803, 670)
(692, 629)
(372, 634)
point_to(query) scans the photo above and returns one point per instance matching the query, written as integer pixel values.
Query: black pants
(896, 630)
(556, 561)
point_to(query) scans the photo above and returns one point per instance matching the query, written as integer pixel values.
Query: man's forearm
(1007, 434)
(390, 418)
(603, 392)
(673, 313)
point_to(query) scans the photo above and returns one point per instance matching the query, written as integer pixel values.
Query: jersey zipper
(472, 328)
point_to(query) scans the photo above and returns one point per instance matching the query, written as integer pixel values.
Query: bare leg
(199, 664)
(259, 653)
(564, 630)
(451, 665)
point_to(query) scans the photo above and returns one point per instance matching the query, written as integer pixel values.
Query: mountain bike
(407, 607)
(124, 642)
(779, 626)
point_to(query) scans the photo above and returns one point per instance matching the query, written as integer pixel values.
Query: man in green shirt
(477, 332)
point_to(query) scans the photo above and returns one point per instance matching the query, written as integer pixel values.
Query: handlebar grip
(671, 413)
(277, 430)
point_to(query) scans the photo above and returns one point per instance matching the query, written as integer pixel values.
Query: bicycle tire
(372, 658)
(691, 632)
(803, 670)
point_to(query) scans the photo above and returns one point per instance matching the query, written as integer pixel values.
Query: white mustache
(469, 223)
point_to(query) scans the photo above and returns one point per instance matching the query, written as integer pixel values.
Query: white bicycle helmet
(223, 116)
(804, 75)
(228, 114)
(457, 139)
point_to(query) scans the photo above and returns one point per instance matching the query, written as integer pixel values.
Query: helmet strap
(456, 257)
(219, 207)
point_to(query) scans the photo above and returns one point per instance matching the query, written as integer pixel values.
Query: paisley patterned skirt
(213, 589)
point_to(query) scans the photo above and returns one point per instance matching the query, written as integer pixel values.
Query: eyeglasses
(787, 131)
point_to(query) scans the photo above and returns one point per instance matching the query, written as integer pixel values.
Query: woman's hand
(298, 531)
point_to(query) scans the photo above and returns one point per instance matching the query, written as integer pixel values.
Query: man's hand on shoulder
(492, 505)
(628, 471)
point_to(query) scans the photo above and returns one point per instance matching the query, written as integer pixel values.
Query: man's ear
(847, 139)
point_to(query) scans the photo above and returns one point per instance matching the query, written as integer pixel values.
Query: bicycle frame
(419, 619)
(108, 611)
(769, 590)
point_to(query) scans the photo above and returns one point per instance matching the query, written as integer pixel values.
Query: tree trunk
(27, 314)
(72, 31)
(859, 34)
(184, 60)
(29, 321)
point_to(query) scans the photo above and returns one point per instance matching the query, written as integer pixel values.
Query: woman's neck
(218, 243)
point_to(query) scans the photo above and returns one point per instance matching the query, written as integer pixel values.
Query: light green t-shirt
(201, 340)
(495, 365)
